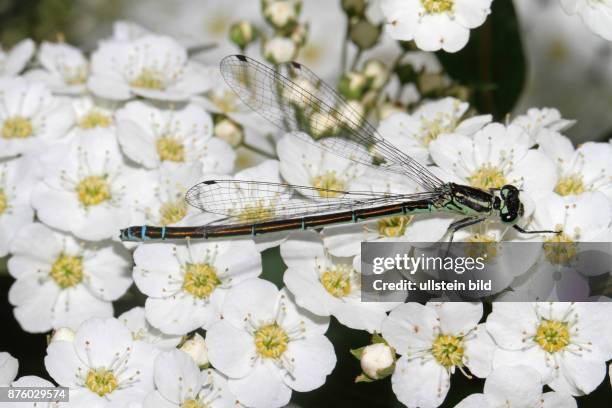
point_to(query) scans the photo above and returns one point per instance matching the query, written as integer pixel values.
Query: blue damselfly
(318, 110)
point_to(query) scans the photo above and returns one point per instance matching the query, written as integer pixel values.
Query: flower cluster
(93, 143)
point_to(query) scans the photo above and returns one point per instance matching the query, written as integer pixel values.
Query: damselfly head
(511, 208)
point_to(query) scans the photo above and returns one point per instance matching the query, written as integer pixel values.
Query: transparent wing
(250, 201)
(296, 100)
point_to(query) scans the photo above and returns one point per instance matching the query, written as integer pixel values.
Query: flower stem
(258, 150)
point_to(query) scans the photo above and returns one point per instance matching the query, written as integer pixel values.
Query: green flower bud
(299, 35)
(376, 71)
(242, 33)
(282, 14)
(353, 85)
(354, 8)
(364, 34)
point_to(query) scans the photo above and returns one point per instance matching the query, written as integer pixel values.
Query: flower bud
(228, 130)
(351, 114)
(377, 360)
(196, 348)
(242, 33)
(352, 85)
(281, 14)
(62, 334)
(279, 49)
(321, 125)
(354, 8)
(376, 71)
(388, 108)
(364, 34)
(299, 35)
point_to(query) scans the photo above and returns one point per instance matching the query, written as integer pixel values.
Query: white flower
(134, 319)
(267, 346)
(87, 188)
(516, 386)
(152, 66)
(435, 24)
(17, 177)
(167, 205)
(279, 49)
(62, 334)
(195, 348)
(8, 368)
(64, 68)
(152, 136)
(564, 268)
(434, 340)
(124, 30)
(326, 286)
(61, 281)
(567, 343)
(32, 381)
(281, 13)
(31, 119)
(103, 366)
(304, 164)
(93, 113)
(586, 168)
(596, 14)
(375, 358)
(180, 384)
(187, 283)
(496, 155)
(537, 121)
(412, 133)
(15, 60)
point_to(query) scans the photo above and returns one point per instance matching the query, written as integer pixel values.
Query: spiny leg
(524, 231)
(460, 224)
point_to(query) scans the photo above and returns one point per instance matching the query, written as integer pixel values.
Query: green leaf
(358, 352)
(377, 338)
(363, 378)
(492, 64)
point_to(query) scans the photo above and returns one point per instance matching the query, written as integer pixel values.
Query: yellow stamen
(101, 381)
(149, 79)
(3, 201)
(93, 190)
(67, 270)
(487, 177)
(481, 246)
(559, 249)
(337, 280)
(93, 119)
(552, 335)
(172, 212)
(170, 149)
(329, 181)
(17, 127)
(271, 341)
(448, 350)
(570, 185)
(437, 6)
(200, 280)
(256, 212)
(395, 226)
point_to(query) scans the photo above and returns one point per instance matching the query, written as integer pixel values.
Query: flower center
(93, 190)
(271, 341)
(192, 403)
(170, 149)
(94, 119)
(481, 246)
(552, 335)
(328, 181)
(256, 212)
(77, 78)
(570, 185)
(172, 212)
(149, 79)
(17, 127)
(3, 201)
(200, 280)
(487, 177)
(101, 381)
(448, 350)
(226, 102)
(337, 280)
(437, 6)
(67, 270)
(395, 226)
(560, 249)
(434, 128)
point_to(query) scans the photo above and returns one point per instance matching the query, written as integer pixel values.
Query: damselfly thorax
(249, 207)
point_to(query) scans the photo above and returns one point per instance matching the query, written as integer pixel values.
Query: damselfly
(295, 100)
